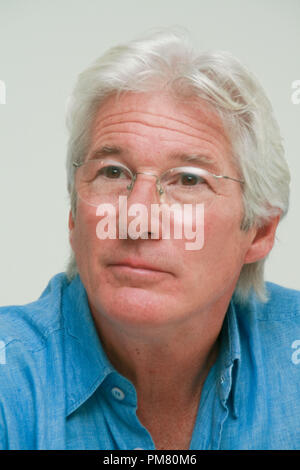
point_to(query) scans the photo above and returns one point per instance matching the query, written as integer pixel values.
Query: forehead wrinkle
(213, 125)
(202, 159)
(210, 139)
(160, 116)
(213, 148)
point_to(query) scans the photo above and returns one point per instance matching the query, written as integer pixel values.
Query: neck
(164, 364)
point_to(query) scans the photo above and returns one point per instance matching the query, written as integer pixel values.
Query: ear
(71, 228)
(263, 241)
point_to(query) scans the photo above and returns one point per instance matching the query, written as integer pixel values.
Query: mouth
(138, 264)
(137, 269)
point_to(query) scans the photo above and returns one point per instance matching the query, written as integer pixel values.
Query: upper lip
(138, 264)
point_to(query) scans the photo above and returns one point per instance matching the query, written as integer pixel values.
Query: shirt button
(222, 379)
(117, 393)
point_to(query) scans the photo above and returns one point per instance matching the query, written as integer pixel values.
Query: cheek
(223, 220)
(223, 246)
(217, 227)
(84, 233)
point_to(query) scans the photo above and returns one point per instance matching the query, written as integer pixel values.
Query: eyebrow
(204, 161)
(105, 151)
(200, 159)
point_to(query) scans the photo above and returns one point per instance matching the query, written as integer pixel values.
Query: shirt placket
(223, 391)
(129, 433)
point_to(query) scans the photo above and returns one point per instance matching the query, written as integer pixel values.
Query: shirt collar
(86, 364)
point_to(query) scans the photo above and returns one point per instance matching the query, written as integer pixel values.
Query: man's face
(150, 131)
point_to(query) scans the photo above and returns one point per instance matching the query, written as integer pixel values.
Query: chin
(135, 306)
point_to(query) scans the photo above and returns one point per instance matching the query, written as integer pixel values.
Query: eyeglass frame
(160, 190)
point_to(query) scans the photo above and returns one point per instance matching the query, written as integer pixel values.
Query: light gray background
(45, 44)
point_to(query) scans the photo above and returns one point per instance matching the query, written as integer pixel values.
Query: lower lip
(126, 271)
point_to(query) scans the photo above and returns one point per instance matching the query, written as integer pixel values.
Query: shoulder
(270, 366)
(270, 336)
(266, 393)
(31, 324)
(269, 333)
(283, 304)
(275, 322)
(29, 340)
(29, 335)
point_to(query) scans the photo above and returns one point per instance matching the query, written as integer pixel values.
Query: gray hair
(166, 60)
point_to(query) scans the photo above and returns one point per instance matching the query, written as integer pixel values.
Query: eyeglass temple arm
(230, 178)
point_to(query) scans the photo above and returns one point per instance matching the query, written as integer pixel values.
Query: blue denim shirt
(58, 389)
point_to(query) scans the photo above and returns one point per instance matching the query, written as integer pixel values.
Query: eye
(111, 172)
(186, 179)
(190, 179)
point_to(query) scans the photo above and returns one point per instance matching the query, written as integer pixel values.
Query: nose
(143, 194)
(144, 189)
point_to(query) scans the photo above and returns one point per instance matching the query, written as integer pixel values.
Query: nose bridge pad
(158, 184)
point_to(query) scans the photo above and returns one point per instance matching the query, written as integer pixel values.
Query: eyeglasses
(99, 181)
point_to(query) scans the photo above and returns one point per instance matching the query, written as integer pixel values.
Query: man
(145, 343)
